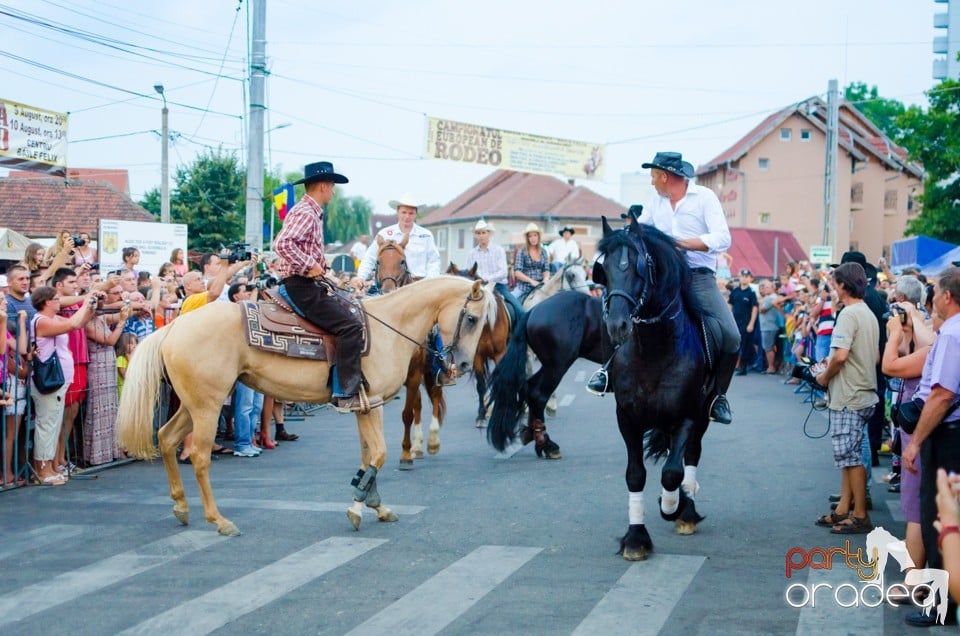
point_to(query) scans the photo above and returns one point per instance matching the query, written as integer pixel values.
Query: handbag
(909, 414)
(47, 374)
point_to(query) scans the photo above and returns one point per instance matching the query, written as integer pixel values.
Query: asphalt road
(484, 545)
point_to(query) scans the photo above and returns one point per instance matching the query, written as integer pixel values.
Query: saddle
(273, 325)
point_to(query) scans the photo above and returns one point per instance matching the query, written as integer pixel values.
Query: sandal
(853, 525)
(53, 480)
(223, 450)
(830, 520)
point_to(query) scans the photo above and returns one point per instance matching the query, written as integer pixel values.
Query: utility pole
(164, 160)
(253, 233)
(830, 172)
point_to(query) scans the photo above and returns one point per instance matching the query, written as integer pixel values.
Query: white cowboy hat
(532, 227)
(406, 199)
(483, 226)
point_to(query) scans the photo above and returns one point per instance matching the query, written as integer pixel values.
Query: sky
(353, 82)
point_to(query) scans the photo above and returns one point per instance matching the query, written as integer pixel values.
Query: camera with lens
(78, 242)
(806, 370)
(899, 311)
(239, 251)
(267, 282)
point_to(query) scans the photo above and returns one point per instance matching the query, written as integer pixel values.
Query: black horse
(564, 327)
(658, 371)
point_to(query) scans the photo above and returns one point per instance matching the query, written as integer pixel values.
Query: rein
(637, 306)
(447, 349)
(399, 280)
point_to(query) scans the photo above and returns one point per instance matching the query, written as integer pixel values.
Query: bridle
(646, 269)
(399, 280)
(563, 277)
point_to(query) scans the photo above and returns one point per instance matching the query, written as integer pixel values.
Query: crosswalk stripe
(448, 594)
(895, 511)
(229, 602)
(66, 587)
(240, 504)
(580, 377)
(642, 600)
(37, 538)
(567, 399)
(822, 614)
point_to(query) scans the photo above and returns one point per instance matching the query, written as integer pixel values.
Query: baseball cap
(745, 272)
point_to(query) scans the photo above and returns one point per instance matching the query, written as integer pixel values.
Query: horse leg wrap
(363, 482)
(373, 496)
(636, 508)
(538, 432)
(669, 501)
(690, 484)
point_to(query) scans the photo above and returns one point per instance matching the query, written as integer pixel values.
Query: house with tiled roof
(773, 178)
(511, 200)
(40, 208)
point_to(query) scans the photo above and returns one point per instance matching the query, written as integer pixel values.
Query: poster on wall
(508, 150)
(154, 241)
(32, 139)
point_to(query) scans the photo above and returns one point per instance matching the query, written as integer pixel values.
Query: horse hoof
(182, 516)
(386, 515)
(418, 454)
(229, 530)
(354, 519)
(635, 554)
(551, 411)
(686, 527)
(406, 464)
(433, 450)
(481, 422)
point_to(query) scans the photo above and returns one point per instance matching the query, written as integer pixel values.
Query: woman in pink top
(179, 262)
(50, 332)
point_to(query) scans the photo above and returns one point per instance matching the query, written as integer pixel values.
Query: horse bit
(647, 269)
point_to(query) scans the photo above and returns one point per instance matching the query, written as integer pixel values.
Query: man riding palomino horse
(422, 258)
(303, 270)
(692, 215)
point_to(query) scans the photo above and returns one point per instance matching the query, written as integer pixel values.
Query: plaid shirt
(491, 263)
(300, 243)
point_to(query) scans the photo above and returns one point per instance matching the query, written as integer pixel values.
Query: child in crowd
(125, 348)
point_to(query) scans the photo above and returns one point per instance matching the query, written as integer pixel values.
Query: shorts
(769, 339)
(78, 388)
(17, 389)
(846, 434)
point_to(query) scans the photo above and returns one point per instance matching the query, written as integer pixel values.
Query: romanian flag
(283, 200)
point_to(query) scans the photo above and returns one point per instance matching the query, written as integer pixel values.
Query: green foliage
(346, 218)
(881, 111)
(151, 202)
(932, 138)
(210, 198)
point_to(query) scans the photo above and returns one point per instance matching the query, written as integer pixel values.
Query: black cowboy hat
(566, 228)
(321, 171)
(859, 257)
(671, 162)
(635, 211)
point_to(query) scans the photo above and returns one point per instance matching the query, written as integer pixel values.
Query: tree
(210, 197)
(346, 218)
(881, 111)
(932, 138)
(151, 202)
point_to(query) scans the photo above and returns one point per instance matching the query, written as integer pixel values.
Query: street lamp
(165, 166)
(285, 124)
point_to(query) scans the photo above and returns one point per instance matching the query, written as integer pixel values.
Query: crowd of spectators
(57, 302)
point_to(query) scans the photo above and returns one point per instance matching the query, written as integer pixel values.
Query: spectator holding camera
(83, 252)
(198, 293)
(936, 439)
(852, 379)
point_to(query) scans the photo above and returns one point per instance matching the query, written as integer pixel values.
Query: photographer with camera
(851, 376)
(199, 294)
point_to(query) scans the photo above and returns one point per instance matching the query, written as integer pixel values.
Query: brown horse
(391, 274)
(203, 353)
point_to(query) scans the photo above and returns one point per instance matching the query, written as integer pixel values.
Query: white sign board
(32, 138)
(821, 254)
(154, 241)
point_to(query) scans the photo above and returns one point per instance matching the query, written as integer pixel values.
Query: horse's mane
(673, 271)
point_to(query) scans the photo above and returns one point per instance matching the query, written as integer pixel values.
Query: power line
(117, 136)
(213, 92)
(342, 133)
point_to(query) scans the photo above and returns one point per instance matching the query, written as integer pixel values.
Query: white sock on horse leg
(636, 508)
(690, 484)
(669, 500)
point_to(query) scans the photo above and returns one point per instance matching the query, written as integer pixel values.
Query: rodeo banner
(522, 152)
(154, 241)
(32, 139)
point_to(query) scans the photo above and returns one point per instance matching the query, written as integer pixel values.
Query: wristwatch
(944, 531)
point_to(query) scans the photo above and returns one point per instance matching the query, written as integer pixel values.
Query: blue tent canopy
(917, 251)
(937, 265)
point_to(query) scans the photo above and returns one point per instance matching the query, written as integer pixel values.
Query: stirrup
(594, 383)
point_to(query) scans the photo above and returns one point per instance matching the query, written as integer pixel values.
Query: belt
(703, 270)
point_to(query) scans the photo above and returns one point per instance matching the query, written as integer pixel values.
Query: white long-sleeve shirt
(698, 215)
(423, 258)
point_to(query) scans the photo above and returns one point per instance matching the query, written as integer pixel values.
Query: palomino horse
(215, 334)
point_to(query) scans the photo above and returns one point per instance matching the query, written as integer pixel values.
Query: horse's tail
(658, 444)
(508, 388)
(141, 388)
